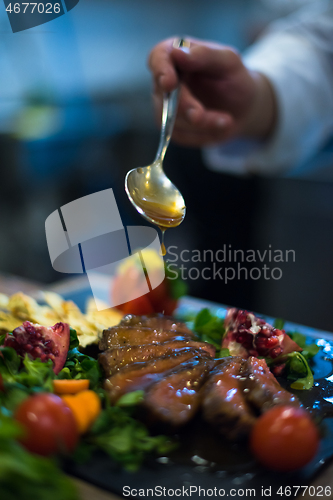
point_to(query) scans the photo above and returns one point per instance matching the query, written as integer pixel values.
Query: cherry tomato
(284, 438)
(49, 424)
(1, 384)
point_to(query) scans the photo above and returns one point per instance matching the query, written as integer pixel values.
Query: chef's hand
(220, 98)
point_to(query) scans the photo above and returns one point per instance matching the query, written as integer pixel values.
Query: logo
(26, 15)
(87, 236)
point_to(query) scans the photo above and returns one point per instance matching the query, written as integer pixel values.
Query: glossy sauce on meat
(115, 358)
(139, 376)
(223, 401)
(129, 336)
(156, 321)
(263, 391)
(175, 399)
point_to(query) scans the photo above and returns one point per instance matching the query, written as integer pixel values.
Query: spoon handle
(170, 104)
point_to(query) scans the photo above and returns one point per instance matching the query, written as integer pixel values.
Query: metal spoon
(148, 188)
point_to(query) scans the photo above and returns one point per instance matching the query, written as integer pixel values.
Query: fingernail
(185, 49)
(221, 122)
(160, 81)
(191, 114)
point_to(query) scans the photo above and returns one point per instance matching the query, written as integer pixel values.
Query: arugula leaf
(79, 366)
(125, 439)
(26, 476)
(297, 368)
(2, 338)
(29, 373)
(73, 340)
(130, 399)
(9, 363)
(209, 328)
(279, 323)
(309, 350)
(224, 352)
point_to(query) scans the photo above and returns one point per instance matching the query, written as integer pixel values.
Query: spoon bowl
(154, 196)
(150, 191)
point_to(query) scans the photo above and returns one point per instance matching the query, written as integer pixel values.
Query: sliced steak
(155, 321)
(115, 358)
(261, 389)
(175, 399)
(119, 336)
(139, 376)
(223, 402)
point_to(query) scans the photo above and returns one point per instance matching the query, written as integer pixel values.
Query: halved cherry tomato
(70, 386)
(284, 438)
(49, 424)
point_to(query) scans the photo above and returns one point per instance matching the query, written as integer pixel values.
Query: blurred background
(76, 115)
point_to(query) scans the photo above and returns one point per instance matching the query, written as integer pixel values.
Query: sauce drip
(163, 249)
(164, 216)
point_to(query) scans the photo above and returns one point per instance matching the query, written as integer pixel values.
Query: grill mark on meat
(175, 399)
(155, 321)
(139, 376)
(262, 390)
(115, 358)
(223, 401)
(119, 336)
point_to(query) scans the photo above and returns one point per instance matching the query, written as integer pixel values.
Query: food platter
(205, 460)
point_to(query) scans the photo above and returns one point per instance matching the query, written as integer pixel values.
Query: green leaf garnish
(130, 399)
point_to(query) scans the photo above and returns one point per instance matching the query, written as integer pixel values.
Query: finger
(189, 108)
(209, 121)
(208, 58)
(162, 66)
(197, 140)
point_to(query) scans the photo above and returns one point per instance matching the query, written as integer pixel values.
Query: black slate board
(229, 468)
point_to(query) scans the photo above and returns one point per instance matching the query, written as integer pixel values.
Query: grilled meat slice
(223, 401)
(175, 399)
(139, 376)
(115, 358)
(262, 390)
(119, 336)
(156, 321)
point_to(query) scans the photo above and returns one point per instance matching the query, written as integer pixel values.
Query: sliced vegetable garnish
(66, 386)
(86, 406)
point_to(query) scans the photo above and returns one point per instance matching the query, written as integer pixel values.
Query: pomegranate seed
(265, 331)
(277, 370)
(272, 342)
(274, 353)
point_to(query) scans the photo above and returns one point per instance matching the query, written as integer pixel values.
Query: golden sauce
(164, 216)
(156, 198)
(163, 249)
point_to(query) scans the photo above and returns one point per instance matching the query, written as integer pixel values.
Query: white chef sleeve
(297, 57)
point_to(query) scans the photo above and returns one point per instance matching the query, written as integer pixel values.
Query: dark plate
(204, 460)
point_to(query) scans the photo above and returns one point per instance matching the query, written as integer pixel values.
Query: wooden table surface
(10, 284)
